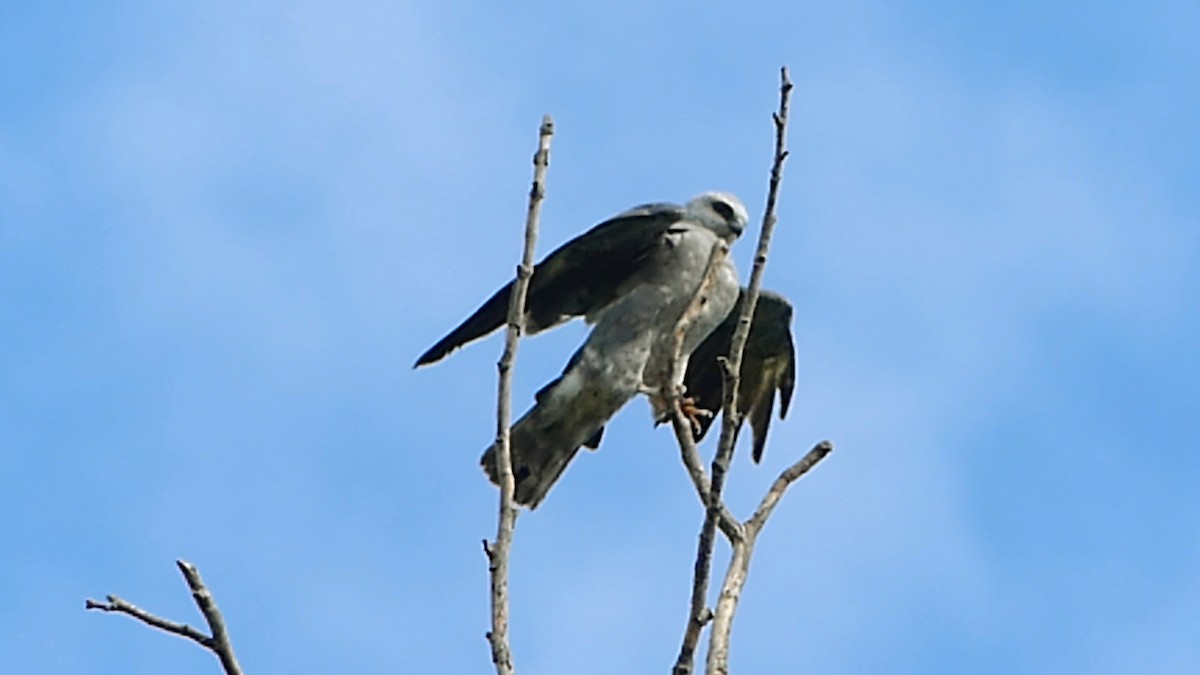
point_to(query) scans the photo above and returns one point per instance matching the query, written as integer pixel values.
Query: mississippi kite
(768, 364)
(635, 319)
(590, 272)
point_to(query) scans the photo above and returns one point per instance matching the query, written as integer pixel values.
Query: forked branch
(218, 643)
(711, 489)
(743, 550)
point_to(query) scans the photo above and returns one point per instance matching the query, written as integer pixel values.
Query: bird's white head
(720, 212)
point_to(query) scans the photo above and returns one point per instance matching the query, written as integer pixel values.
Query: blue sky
(227, 230)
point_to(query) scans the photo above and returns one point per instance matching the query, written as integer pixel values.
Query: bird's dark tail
(547, 438)
(538, 462)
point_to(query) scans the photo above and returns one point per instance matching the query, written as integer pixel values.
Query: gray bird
(628, 349)
(590, 272)
(768, 364)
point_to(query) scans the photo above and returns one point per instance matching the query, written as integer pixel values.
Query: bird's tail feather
(546, 439)
(538, 460)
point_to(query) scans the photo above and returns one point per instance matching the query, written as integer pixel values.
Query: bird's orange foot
(688, 405)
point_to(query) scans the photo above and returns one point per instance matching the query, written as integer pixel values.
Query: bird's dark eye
(724, 210)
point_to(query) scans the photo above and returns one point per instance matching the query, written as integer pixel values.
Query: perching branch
(679, 422)
(498, 551)
(683, 433)
(218, 643)
(718, 647)
(731, 370)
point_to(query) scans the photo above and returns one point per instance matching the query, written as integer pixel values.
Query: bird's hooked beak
(735, 228)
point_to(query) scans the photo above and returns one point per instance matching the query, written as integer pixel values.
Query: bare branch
(718, 646)
(743, 550)
(218, 643)
(731, 592)
(781, 484)
(742, 331)
(731, 369)
(216, 623)
(698, 614)
(122, 606)
(498, 552)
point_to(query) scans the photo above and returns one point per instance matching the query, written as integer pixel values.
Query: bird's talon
(687, 405)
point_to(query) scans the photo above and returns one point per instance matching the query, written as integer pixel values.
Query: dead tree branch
(498, 551)
(218, 643)
(781, 484)
(718, 647)
(731, 370)
(743, 550)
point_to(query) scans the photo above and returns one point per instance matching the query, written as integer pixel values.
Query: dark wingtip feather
(760, 423)
(785, 398)
(490, 316)
(435, 353)
(787, 383)
(760, 444)
(787, 379)
(593, 441)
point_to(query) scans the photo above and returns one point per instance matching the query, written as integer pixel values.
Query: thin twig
(120, 605)
(781, 484)
(731, 369)
(718, 645)
(498, 551)
(218, 643)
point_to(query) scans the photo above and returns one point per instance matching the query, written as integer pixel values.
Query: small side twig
(218, 643)
(498, 551)
(790, 475)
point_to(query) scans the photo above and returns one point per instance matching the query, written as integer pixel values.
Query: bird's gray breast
(718, 302)
(681, 263)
